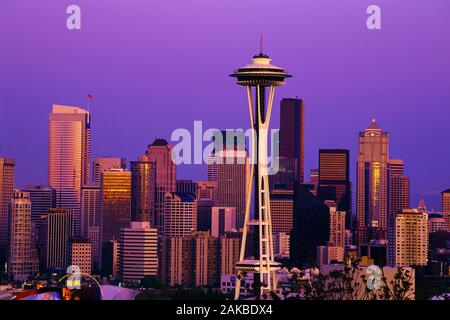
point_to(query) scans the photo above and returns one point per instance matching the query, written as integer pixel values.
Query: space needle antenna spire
(260, 43)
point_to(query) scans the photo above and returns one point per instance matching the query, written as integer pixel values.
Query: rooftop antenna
(90, 100)
(260, 43)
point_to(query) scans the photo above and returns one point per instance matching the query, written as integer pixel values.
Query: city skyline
(412, 111)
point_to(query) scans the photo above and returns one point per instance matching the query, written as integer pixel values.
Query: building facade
(408, 239)
(20, 255)
(138, 252)
(372, 184)
(69, 156)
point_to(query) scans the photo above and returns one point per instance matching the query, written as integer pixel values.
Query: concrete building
(230, 245)
(138, 252)
(79, 253)
(20, 256)
(180, 214)
(408, 239)
(6, 193)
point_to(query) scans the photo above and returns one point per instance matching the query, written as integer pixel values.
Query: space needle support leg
(248, 192)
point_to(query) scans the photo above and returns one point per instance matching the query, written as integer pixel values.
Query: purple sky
(157, 65)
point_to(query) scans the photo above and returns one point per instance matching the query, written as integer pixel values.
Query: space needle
(260, 78)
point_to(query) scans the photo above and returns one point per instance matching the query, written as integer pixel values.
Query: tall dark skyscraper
(334, 179)
(292, 133)
(143, 190)
(311, 226)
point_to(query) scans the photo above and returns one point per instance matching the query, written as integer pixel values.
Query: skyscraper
(60, 228)
(143, 190)
(206, 199)
(311, 226)
(334, 179)
(282, 209)
(115, 195)
(69, 156)
(292, 134)
(372, 184)
(20, 258)
(42, 198)
(180, 214)
(231, 182)
(223, 219)
(408, 239)
(138, 252)
(398, 187)
(160, 152)
(6, 194)
(91, 221)
(105, 164)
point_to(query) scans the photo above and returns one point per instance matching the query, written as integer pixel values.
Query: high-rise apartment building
(206, 262)
(372, 184)
(180, 214)
(230, 245)
(408, 239)
(160, 152)
(177, 265)
(337, 227)
(138, 252)
(105, 164)
(20, 257)
(60, 228)
(6, 193)
(143, 190)
(69, 156)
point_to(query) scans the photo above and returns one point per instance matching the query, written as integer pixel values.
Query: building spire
(261, 43)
